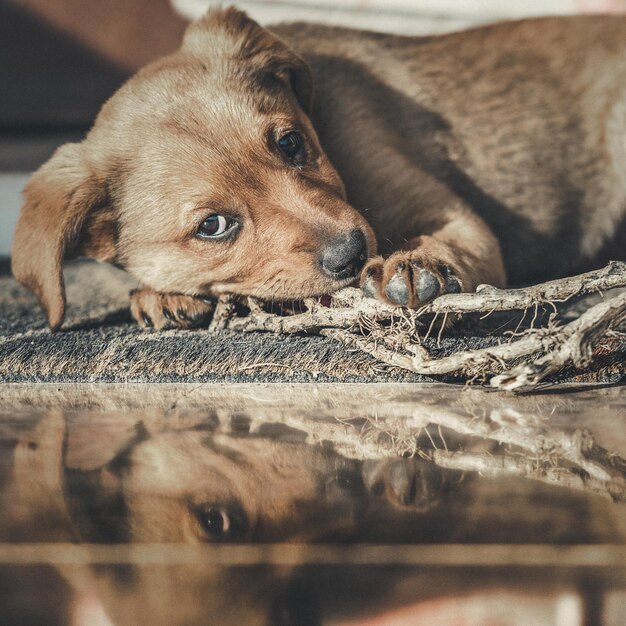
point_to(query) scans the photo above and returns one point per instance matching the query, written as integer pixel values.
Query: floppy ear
(57, 201)
(232, 31)
(37, 488)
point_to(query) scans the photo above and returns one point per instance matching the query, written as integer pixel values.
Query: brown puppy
(472, 156)
(161, 481)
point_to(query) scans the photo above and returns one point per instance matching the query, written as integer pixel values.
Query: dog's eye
(291, 145)
(216, 226)
(215, 522)
(220, 523)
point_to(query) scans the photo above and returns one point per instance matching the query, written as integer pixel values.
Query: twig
(347, 309)
(488, 298)
(573, 345)
(562, 345)
(348, 306)
(482, 362)
(224, 310)
(389, 334)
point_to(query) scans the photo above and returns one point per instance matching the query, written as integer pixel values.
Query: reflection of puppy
(215, 170)
(193, 486)
(111, 478)
(412, 484)
(147, 479)
(131, 482)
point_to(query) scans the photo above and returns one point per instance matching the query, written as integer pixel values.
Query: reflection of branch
(577, 448)
(529, 450)
(490, 465)
(393, 420)
(355, 321)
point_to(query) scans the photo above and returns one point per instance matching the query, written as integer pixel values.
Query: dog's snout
(345, 257)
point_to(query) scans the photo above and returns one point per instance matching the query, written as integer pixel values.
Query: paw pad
(397, 290)
(426, 286)
(409, 279)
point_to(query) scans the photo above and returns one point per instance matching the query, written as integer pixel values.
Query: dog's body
(467, 158)
(182, 477)
(522, 122)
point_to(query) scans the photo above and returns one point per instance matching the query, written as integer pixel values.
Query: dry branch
(488, 298)
(561, 346)
(349, 306)
(224, 310)
(573, 345)
(391, 334)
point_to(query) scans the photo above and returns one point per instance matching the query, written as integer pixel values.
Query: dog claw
(426, 286)
(164, 311)
(452, 285)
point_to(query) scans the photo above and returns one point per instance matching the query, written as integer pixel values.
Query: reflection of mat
(100, 342)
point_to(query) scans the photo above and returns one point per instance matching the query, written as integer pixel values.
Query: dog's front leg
(152, 309)
(457, 254)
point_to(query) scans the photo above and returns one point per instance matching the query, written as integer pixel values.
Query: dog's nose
(345, 257)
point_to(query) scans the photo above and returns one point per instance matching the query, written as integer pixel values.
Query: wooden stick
(572, 345)
(355, 321)
(349, 306)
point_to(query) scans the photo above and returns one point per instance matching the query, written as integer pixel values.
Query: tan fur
(59, 198)
(69, 477)
(137, 478)
(153, 309)
(468, 158)
(164, 467)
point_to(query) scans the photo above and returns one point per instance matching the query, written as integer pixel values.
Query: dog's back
(523, 120)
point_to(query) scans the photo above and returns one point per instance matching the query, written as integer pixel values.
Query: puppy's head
(202, 175)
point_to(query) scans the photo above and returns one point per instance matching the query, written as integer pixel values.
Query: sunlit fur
(190, 135)
(493, 155)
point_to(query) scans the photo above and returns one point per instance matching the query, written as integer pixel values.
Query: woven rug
(99, 342)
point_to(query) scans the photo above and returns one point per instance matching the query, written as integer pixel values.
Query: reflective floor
(300, 505)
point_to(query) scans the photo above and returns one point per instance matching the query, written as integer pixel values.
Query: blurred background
(61, 59)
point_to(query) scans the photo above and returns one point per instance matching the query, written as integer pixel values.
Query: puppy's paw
(152, 309)
(410, 278)
(408, 483)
